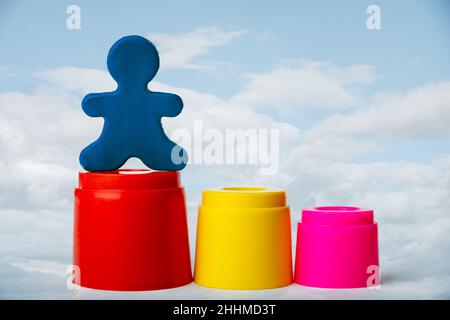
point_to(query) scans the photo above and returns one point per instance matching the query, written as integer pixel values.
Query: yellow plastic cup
(243, 239)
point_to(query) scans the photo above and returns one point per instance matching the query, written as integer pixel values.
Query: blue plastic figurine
(132, 113)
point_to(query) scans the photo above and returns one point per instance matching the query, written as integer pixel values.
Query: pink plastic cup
(337, 247)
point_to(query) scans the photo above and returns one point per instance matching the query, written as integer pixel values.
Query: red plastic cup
(337, 247)
(130, 231)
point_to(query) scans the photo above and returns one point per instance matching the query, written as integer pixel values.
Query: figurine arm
(94, 104)
(167, 104)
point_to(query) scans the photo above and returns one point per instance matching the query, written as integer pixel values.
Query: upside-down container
(337, 247)
(130, 231)
(243, 239)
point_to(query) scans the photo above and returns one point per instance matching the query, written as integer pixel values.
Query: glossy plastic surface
(130, 231)
(337, 247)
(243, 239)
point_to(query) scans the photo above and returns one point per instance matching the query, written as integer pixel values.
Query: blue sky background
(397, 161)
(324, 30)
(412, 47)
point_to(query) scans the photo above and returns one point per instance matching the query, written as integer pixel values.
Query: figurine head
(133, 61)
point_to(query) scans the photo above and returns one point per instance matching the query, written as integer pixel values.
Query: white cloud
(41, 266)
(305, 84)
(420, 113)
(40, 138)
(265, 36)
(78, 79)
(182, 50)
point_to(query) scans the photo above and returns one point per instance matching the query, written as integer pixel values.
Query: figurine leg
(170, 158)
(101, 157)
